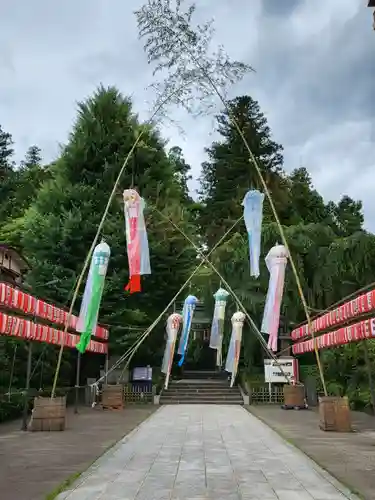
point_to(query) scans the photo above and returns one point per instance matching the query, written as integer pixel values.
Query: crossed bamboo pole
(252, 160)
(157, 109)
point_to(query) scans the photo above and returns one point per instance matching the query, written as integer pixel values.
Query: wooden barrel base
(294, 395)
(113, 397)
(48, 415)
(114, 408)
(334, 414)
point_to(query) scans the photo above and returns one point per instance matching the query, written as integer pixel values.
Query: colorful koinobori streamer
(253, 214)
(276, 261)
(234, 350)
(217, 328)
(136, 238)
(88, 316)
(173, 325)
(187, 316)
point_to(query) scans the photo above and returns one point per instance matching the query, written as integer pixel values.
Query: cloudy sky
(314, 61)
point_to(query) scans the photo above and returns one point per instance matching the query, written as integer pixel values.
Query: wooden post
(270, 391)
(26, 397)
(106, 368)
(370, 379)
(78, 373)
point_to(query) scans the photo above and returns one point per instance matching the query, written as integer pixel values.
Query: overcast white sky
(314, 61)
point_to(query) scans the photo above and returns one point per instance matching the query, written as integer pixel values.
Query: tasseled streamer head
(130, 196)
(173, 323)
(238, 317)
(191, 300)
(221, 295)
(279, 252)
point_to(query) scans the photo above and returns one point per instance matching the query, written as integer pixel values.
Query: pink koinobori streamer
(136, 239)
(173, 325)
(276, 261)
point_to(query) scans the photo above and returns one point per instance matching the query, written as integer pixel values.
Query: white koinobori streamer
(252, 213)
(217, 328)
(276, 261)
(233, 356)
(173, 325)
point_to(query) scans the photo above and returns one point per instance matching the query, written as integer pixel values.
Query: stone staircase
(206, 389)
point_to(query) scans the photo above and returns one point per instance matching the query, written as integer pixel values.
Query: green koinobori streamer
(92, 296)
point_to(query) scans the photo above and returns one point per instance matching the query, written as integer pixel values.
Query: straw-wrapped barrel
(334, 414)
(49, 414)
(294, 395)
(113, 397)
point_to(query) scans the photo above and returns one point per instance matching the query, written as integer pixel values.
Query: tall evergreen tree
(6, 153)
(7, 176)
(58, 228)
(182, 171)
(228, 173)
(30, 177)
(347, 216)
(307, 205)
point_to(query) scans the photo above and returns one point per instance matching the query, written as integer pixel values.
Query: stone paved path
(34, 464)
(191, 452)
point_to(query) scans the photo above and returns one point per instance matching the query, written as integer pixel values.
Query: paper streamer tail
(219, 360)
(165, 362)
(134, 284)
(83, 342)
(184, 338)
(230, 357)
(254, 251)
(214, 337)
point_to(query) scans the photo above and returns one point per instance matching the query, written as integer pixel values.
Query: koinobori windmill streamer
(136, 238)
(234, 351)
(173, 326)
(92, 296)
(187, 315)
(217, 328)
(253, 208)
(276, 261)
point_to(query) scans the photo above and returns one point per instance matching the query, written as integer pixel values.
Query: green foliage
(228, 174)
(57, 229)
(10, 408)
(18, 186)
(53, 212)
(194, 69)
(347, 216)
(59, 209)
(332, 253)
(307, 204)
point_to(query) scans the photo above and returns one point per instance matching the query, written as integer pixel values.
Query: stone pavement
(194, 452)
(350, 457)
(32, 464)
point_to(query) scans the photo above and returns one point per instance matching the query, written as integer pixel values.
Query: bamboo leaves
(184, 53)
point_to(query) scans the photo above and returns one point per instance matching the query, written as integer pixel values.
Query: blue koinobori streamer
(187, 315)
(253, 214)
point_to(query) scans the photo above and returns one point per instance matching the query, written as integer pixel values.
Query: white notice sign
(274, 372)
